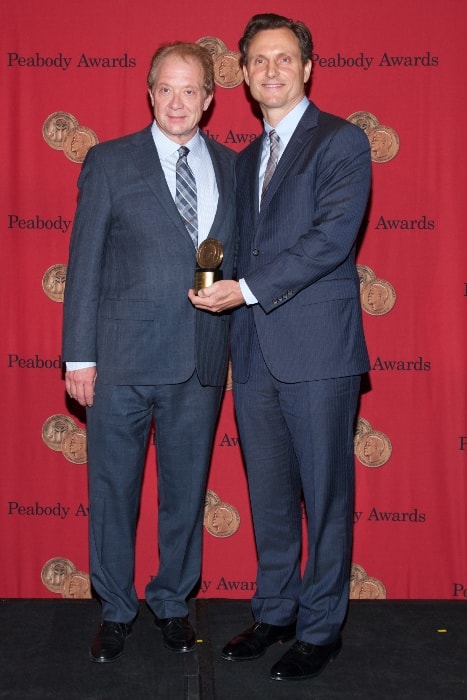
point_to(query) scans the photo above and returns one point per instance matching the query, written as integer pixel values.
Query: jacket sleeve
(91, 223)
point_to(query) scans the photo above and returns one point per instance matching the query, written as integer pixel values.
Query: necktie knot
(183, 151)
(273, 139)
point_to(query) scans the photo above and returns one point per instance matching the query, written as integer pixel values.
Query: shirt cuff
(71, 366)
(247, 293)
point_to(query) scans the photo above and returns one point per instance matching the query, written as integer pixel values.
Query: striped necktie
(272, 162)
(185, 194)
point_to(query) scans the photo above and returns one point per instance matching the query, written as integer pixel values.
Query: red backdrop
(402, 66)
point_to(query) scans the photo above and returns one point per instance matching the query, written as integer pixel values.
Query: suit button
(256, 251)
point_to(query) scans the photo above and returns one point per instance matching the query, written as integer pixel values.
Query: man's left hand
(220, 296)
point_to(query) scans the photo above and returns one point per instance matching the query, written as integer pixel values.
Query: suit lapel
(300, 138)
(148, 163)
(252, 166)
(221, 184)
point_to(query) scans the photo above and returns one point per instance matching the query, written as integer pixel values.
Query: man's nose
(176, 102)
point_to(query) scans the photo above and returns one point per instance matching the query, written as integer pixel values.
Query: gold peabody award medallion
(74, 446)
(228, 72)
(78, 142)
(221, 519)
(76, 585)
(56, 127)
(53, 282)
(384, 140)
(363, 586)
(63, 132)
(213, 45)
(365, 275)
(371, 447)
(211, 499)
(384, 143)
(364, 120)
(377, 297)
(55, 571)
(357, 573)
(54, 430)
(208, 258)
(363, 427)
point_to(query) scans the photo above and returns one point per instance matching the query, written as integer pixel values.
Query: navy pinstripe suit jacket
(297, 254)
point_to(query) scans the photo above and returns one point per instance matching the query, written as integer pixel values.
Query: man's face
(178, 98)
(275, 72)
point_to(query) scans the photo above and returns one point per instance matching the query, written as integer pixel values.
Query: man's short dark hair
(272, 21)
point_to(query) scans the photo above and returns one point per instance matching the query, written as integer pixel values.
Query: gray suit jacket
(297, 254)
(131, 265)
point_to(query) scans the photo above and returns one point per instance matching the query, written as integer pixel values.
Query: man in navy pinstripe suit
(298, 348)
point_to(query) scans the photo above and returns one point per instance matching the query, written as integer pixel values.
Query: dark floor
(392, 649)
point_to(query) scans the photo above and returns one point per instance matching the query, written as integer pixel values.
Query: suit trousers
(297, 440)
(118, 427)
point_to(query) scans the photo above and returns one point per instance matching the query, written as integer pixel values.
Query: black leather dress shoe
(109, 642)
(305, 660)
(177, 632)
(253, 642)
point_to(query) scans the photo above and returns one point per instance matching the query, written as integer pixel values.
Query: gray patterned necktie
(185, 194)
(272, 162)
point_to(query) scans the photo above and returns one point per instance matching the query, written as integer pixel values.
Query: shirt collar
(289, 123)
(168, 148)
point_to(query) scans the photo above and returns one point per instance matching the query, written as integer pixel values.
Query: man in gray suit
(136, 348)
(298, 348)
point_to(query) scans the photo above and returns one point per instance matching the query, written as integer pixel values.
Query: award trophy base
(204, 278)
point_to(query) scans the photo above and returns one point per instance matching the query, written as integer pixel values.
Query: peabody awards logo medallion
(56, 128)
(76, 585)
(211, 499)
(78, 142)
(55, 571)
(384, 140)
(60, 433)
(59, 575)
(364, 120)
(63, 132)
(213, 45)
(384, 143)
(54, 430)
(228, 72)
(377, 296)
(220, 519)
(53, 282)
(371, 447)
(74, 446)
(364, 587)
